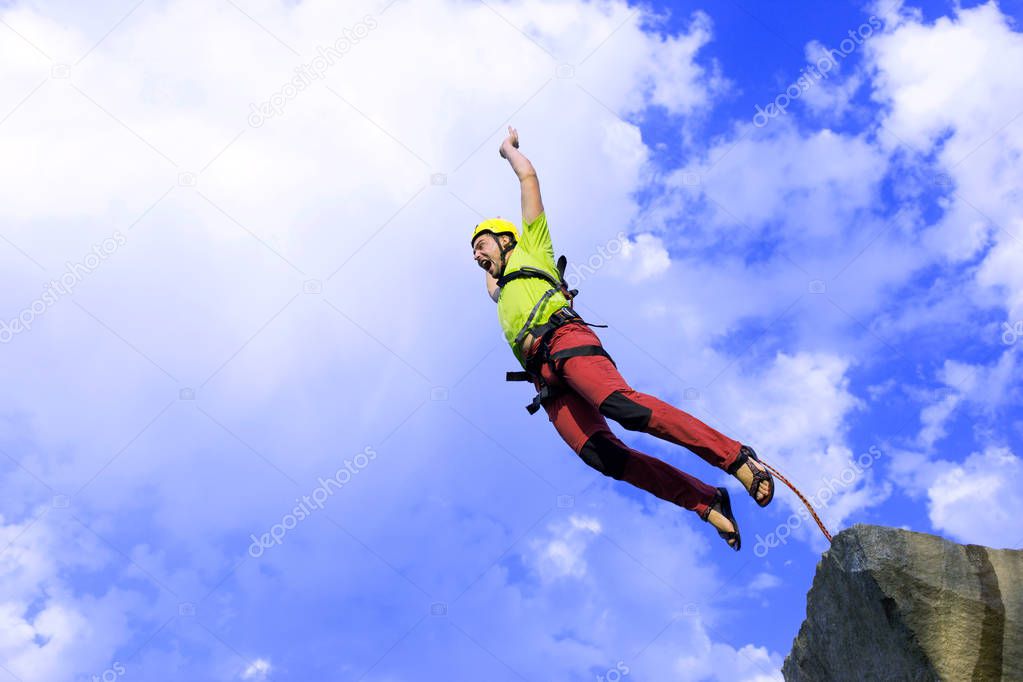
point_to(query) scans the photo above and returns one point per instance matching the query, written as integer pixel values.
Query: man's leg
(596, 379)
(587, 433)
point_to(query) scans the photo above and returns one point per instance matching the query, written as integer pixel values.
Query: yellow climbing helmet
(495, 226)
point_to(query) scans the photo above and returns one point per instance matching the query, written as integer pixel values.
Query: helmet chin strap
(504, 258)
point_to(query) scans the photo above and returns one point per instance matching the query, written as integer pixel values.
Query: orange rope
(800, 495)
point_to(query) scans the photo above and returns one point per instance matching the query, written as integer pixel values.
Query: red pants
(589, 388)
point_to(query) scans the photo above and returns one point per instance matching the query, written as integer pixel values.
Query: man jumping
(578, 382)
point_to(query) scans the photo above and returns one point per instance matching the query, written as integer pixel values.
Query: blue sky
(238, 309)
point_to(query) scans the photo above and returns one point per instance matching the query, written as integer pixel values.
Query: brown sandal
(759, 475)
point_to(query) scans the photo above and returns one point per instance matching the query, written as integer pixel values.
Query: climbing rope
(800, 495)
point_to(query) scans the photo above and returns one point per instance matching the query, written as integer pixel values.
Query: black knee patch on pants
(605, 456)
(628, 413)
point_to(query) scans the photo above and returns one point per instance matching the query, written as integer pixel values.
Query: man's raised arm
(532, 205)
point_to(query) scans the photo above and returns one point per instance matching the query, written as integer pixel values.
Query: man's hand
(510, 142)
(532, 205)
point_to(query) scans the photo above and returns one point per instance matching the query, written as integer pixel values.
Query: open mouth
(485, 263)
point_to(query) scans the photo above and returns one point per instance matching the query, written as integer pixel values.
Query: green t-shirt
(518, 297)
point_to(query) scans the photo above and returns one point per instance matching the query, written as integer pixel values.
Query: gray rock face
(890, 604)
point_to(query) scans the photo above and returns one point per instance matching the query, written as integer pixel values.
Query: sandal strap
(758, 478)
(715, 506)
(759, 475)
(718, 506)
(739, 461)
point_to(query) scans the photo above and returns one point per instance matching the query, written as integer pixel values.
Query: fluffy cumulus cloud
(721, 662)
(948, 125)
(1000, 271)
(987, 389)
(976, 501)
(206, 209)
(989, 479)
(54, 624)
(642, 257)
(234, 241)
(675, 72)
(562, 556)
(926, 112)
(665, 624)
(927, 77)
(259, 670)
(949, 90)
(797, 417)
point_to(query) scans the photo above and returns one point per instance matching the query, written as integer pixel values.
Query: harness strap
(558, 318)
(532, 314)
(528, 271)
(557, 285)
(545, 393)
(580, 351)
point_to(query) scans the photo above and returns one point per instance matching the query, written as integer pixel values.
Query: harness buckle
(543, 394)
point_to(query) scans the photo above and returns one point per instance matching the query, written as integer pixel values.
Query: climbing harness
(542, 333)
(544, 356)
(809, 506)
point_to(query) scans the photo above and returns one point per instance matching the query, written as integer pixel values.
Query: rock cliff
(890, 604)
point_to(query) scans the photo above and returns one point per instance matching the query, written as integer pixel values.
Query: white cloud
(321, 185)
(978, 501)
(562, 555)
(947, 88)
(812, 183)
(988, 389)
(951, 87)
(1001, 271)
(642, 257)
(881, 389)
(51, 629)
(679, 84)
(794, 413)
(707, 660)
(802, 399)
(257, 670)
(669, 613)
(830, 97)
(202, 295)
(764, 581)
(933, 418)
